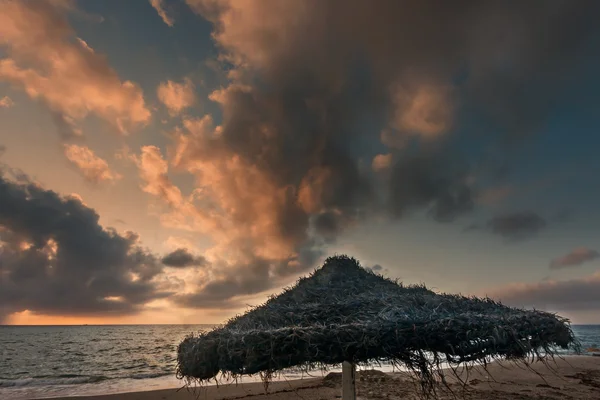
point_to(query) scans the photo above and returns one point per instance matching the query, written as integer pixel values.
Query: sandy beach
(573, 377)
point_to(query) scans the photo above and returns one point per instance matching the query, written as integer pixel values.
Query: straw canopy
(343, 312)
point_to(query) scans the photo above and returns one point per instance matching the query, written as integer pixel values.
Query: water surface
(50, 361)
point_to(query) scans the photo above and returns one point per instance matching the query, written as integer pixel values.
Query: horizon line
(159, 324)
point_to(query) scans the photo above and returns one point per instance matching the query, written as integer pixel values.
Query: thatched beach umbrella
(345, 314)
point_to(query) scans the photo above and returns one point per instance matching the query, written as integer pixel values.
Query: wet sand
(573, 377)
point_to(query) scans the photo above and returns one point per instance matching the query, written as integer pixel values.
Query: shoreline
(571, 376)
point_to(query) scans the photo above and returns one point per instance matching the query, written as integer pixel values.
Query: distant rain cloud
(512, 226)
(53, 244)
(517, 225)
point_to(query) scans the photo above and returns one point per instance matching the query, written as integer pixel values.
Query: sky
(179, 161)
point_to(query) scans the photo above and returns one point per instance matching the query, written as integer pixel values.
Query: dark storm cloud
(430, 181)
(328, 225)
(575, 258)
(514, 226)
(57, 259)
(183, 258)
(313, 86)
(518, 225)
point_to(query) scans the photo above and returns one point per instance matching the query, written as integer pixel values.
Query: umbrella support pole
(348, 381)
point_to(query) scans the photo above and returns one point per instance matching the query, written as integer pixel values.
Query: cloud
(182, 258)
(177, 96)
(182, 211)
(465, 40)
(311, 89)
(93, 168)
(251, 254)
(551, 295)
(153, 171)
(6, 102)
(49, 62)
(222, 293)
(159, 6)
(426, 110)
(57, 259)
(433, 181)
(575, 258)
(382, 162)
(518, 225)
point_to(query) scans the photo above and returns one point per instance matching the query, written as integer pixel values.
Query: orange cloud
(427, 110)
(153, 171)
(6, 102)
(159, 6)
(77, 196)
(246, 28)
(576, 257)
(50, 63)
(382, 162)
(92, 167)
(312, 187)
(237, 204)
(177, 96)
(238, 197)
(182, 214)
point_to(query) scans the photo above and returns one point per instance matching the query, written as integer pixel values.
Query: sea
(55, 361)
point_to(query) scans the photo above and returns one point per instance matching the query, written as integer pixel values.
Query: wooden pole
(348, 381)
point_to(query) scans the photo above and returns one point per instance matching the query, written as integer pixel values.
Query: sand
(573, 377)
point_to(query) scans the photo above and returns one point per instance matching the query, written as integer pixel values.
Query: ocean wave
(53, 380)
(71, 379)
(135, 366)
(150, 375)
